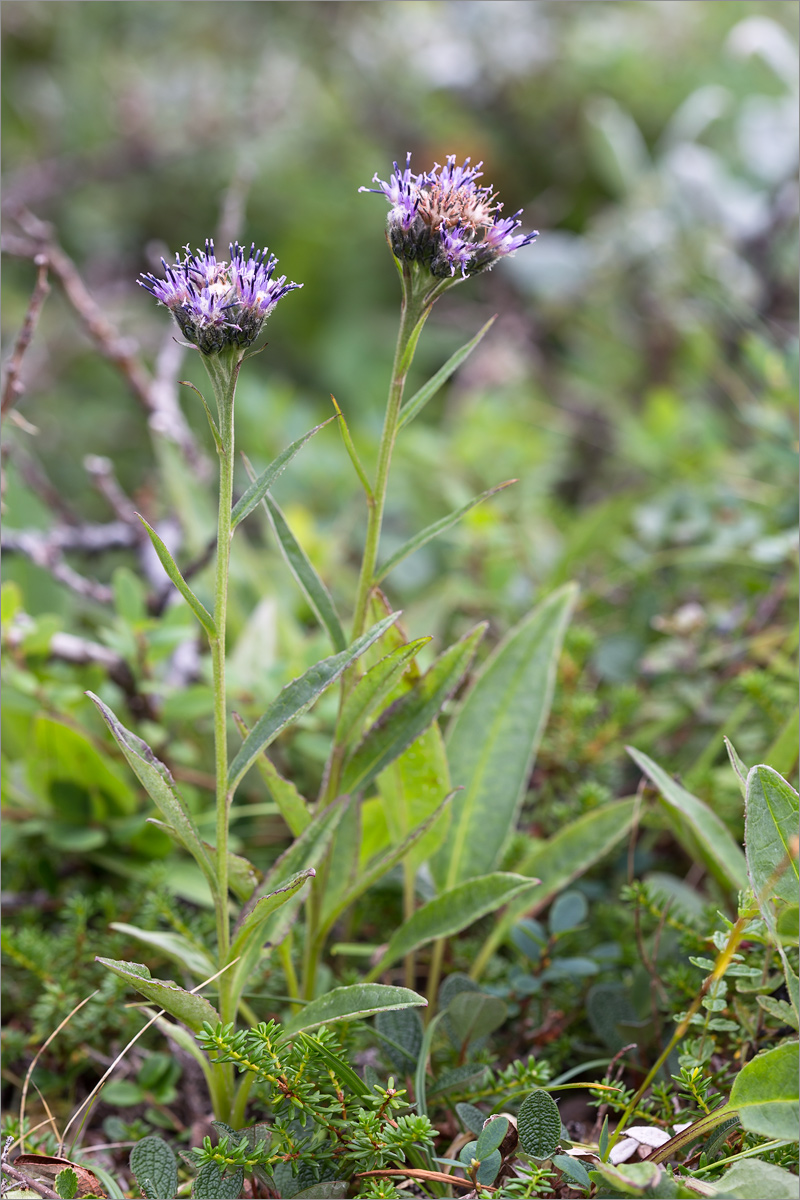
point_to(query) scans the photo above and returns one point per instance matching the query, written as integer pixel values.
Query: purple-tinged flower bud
(445, 220)
(219, 304)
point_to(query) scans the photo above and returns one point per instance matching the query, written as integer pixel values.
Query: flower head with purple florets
(447, 221)
(220, 304)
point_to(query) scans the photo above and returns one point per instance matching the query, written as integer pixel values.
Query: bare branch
(12, 385)
(101, 472)
(47, 551)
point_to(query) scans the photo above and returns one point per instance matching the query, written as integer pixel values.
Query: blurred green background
(640, 381)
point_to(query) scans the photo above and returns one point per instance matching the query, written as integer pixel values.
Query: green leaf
(292, 806)
(352, 1003)
(471, 1117)
(491, 1136)
(170, 566)
(429, 390)
(260, 486)
(780, 1010)
(66, 1183)
(211, 1184)
(487, 1171)
(493, 738)
(754, 1179)
(568, 911)
(153, 1162)
(765, 1093)
(374, 687)
(340, 1068)
(627, 1179)
(405, 720)
(573, 1169)
(451, 912)
(173, 944)
(402, 1029)
(474, 1015)
(566, 856)
(426, 535)
(602, 1142)
(699, 830)
(770, 823)
(298, 696)
(160, 786)
(539, 1124)
(464, 1079)
(329, 1189)
(188, 1007)
(243, 877)
(247, 934)
(310, 583)
(351, 450)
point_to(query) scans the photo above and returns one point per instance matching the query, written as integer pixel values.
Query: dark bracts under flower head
(219, 304)
(444, 219)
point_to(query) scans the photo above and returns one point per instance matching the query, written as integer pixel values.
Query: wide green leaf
(404, 721)
(429, 389)
(259, 487)
(374, 687)
(352, 1003)
(192, 957)
(160, 786)
(171, 568)
(431, 531)
(310, 583)
(452, 911)
(493, 738)
(754, 1179)
(298, 696)
(696, 826)
(765, 1093)
(188, 1007)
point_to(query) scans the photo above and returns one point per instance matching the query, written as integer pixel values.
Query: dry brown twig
(12, 385)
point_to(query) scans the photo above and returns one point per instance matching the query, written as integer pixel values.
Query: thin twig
(12, 385)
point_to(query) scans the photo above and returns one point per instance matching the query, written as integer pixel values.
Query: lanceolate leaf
(374, 687)
(405, 720)
(160, 786)
(243, 877)
(493, 738)
(298, 696)
(299, 564)
(432, 531)
(451, 912)
(170, 566)
(251, 932)
(293, 807)
(695, 825)
(352, 1003)
(188, 1007)
(429, 390)
(174, 944)
(260, 486)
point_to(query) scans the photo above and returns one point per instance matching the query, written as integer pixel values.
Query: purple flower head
(446, 220)
(219, 304)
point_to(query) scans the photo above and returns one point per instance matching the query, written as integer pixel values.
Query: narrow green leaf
(243, 877)
(351, 450)
(193, 958)
(406, 719)
(411, 790)
(160, 786)
(451, 912)
(765, 1093)
(171, 568)
(212, 423)
(426, 535)
(297, 697)
(260, 486)
(739, 769)
(493, 739)
(293, 807)
(539, 1124)
(312, 586)
(251, 925)
(340, 1068)
(699, 829)
(573, 1169)
(352, 1003)
(152, 1159)
(374, 687)
(429, 389)
(366, 878)
(602, 1144)
(188, 1007)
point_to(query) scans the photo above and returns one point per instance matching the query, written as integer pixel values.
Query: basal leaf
(292, 806)
(250, 926)
(493, 738)
(373, 687)
(297, 697)
(352, 1003)
(188, 1007)
(193, 958)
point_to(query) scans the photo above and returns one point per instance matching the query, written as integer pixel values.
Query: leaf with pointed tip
(310, 583)
(251, 925)
(349, 446)
(292, 806)
(352, 1003)
(403, 722)
(739, 769)
(170, 566)
(259, 487)
(429, 389)
(695, 825)
(451, 912)
(212, 423)
(188, 1007)
(193, 958)
(426, 535)
(374, 687)
(243, 877)
(160, 786)
(297, 697)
